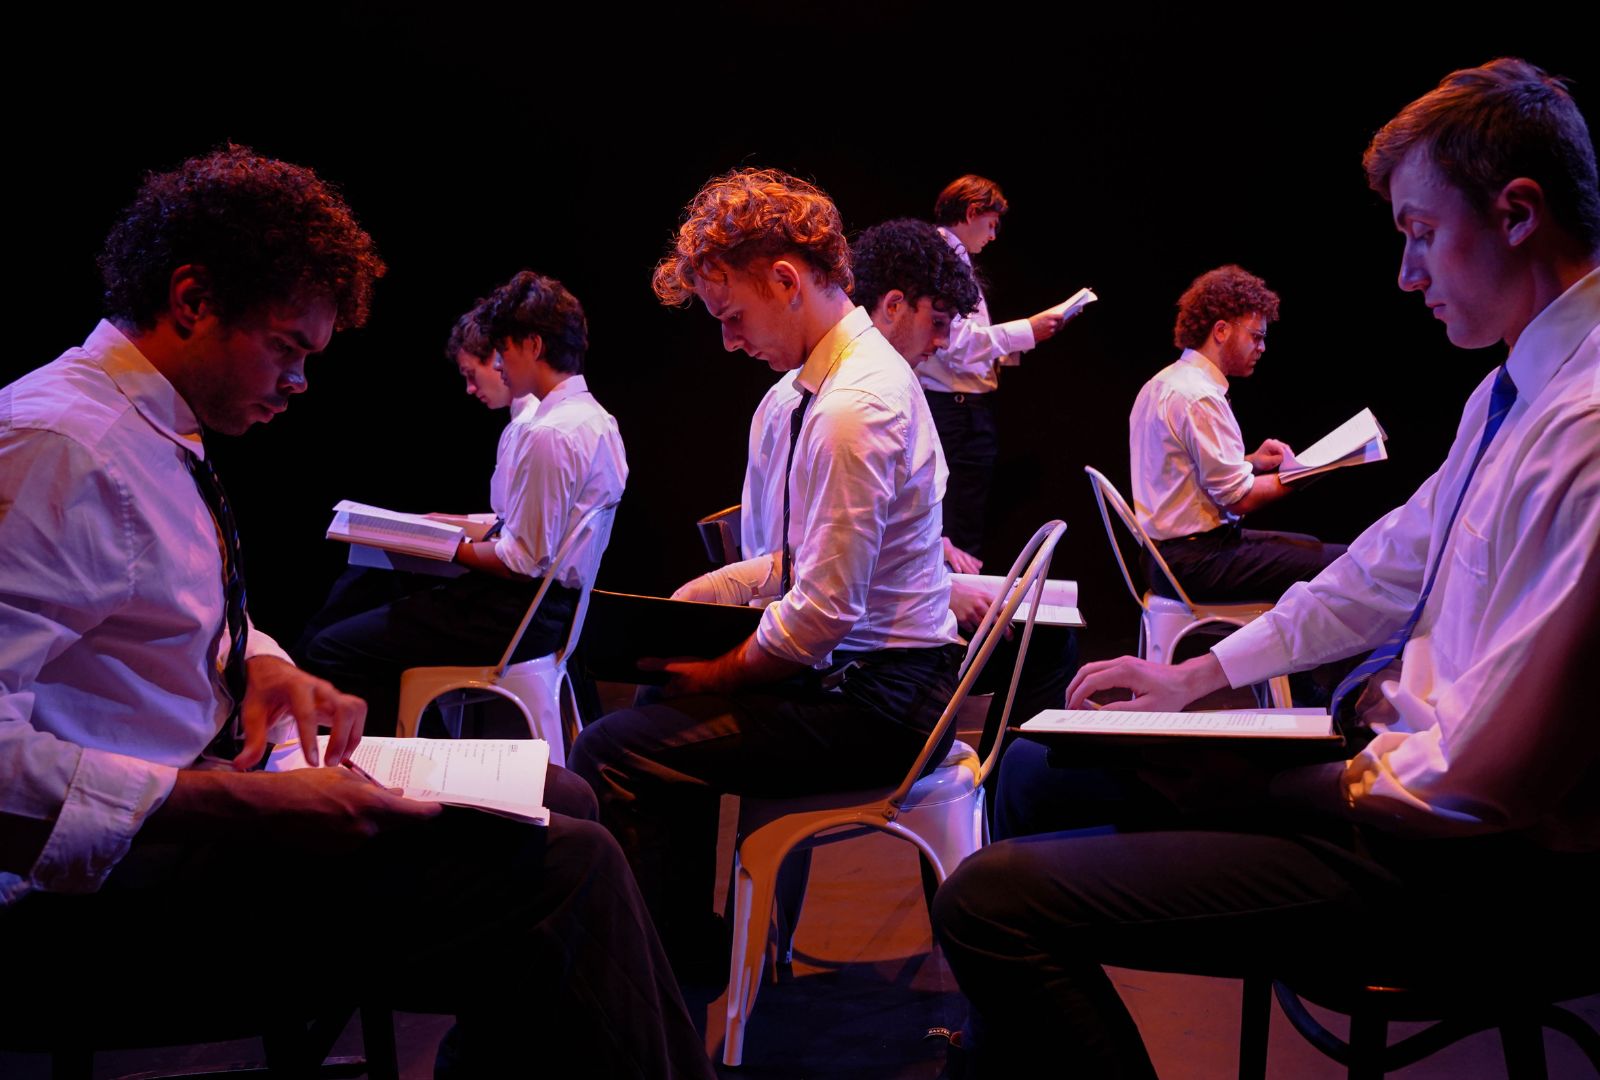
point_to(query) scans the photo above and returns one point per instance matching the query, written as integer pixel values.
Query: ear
(535, 346)
(893, 301)
(785, 278)
(1520, 207)
(189, 298)
(1220, 330)
(972, 213)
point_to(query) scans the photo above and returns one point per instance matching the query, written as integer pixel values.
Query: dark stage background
(1137, 152)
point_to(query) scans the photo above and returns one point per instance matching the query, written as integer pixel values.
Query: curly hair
(751, 214)
(264, 231)
(467, 336)
(911, 256)
(969, 194)
(531, 305)
(1217, 296)
(1485, 126)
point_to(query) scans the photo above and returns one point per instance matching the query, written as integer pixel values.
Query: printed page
(505, 776)
(1359, 435)
(1079, 299)
(1060, 607)
(1233, 723)
(414, 534)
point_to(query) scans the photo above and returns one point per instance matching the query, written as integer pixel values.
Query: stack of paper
(1355, 442)
(1060, 606)
(409, 534)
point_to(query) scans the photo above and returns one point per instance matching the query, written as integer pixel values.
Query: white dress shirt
(563, 462)
(761, 508)
(522, 412)
(970, 363)
(1461, 744)
(1186, 451)
(112, 636)
(865, 514)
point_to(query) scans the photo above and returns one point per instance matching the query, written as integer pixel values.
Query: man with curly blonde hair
(853, 662)
(1192, 480)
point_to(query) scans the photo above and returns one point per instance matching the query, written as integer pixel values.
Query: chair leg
(1522, 1042)
(1255, 1021)
(377, 1039)
(754, 888)
(1369, 1037)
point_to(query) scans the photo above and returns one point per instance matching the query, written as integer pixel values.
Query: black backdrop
(1137, 150)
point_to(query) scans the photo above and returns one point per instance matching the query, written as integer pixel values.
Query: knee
(571, 795)
(1025, 776)
(968, 904)
(600, 745)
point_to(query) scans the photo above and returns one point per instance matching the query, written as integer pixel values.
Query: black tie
(1346, 694)
(231, 738)
(796, 418)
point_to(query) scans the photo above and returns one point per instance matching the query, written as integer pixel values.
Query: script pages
(1059, 607)
(1074, 303)
(1230, 723)
(407, 534)
(1357, 441)
(502, 776)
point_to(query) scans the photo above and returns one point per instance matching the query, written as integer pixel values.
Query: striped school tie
(796, 418)
(230, 739)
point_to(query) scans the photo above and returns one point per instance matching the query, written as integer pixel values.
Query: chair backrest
(1105, 492)
(719, 533)
(597, 522)
(1027, 574)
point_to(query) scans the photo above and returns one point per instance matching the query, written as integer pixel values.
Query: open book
(1074, 303)
(408, 534)
(502, 776)
(1113, 739)
(1357, 441)
(1060, 606)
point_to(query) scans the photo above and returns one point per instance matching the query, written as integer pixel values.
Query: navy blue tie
(1501, 398)
(231, 738)
(795, 419)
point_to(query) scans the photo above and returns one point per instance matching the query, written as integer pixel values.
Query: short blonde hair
(750, 214)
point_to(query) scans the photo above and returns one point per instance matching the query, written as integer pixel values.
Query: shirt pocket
(1461, 619)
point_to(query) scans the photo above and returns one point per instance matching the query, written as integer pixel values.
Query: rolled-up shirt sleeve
(855, 447)
(56, 585)
(976, 346)
(1209, 432)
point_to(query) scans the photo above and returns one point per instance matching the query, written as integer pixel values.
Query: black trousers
(377, 623)
(659, 768)
(1231, 563)
(1027, 922)
(970, 436)
(534, 937)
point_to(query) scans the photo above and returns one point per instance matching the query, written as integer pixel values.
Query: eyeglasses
(1260, 336)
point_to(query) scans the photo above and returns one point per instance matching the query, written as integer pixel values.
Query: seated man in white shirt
(145, 870)
(851, 667)
(1466, 832)
(359, 589)
(913, 285)
(559, 461)
(961, 377)
(1192, 480)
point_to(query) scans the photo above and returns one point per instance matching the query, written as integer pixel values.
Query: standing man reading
(1192, 480)
(1476, 802)
(852, 666)
(135, 695)
(961, 378)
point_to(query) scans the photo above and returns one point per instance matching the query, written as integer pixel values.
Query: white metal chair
(940, 813)
(539, 688)
(1164, 623)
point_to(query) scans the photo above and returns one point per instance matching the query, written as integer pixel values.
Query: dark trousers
(970, 436)
(1027, 922)
(1230, 563)
(535, 937)
(377, 623)
(658, 768)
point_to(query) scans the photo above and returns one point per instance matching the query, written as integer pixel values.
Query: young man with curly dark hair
(1192, 480)
(144, 865)
(852, 665)
(561, 460)
(1458, 845)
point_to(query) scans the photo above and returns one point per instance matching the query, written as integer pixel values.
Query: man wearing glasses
(1192, 480)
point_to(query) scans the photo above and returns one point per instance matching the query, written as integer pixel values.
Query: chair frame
(1156, 609)
(769, 829)
(419, 686)
(719, 533)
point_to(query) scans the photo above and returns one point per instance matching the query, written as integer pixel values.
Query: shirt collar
(157, 400)
(1554, 335)
(955, 242)
(1202, 363)
(831, 348)
(571, 386)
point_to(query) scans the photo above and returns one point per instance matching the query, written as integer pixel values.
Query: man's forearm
(1266, 489)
